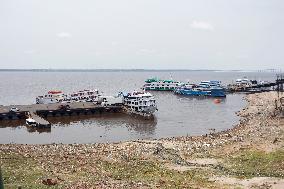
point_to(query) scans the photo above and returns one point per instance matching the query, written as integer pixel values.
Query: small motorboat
(31, 122)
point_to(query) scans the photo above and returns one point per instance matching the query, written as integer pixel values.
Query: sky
(142, 34)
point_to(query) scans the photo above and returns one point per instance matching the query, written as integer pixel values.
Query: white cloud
(64, 35)
(201, 25)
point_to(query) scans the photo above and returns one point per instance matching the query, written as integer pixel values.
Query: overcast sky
(149, 34)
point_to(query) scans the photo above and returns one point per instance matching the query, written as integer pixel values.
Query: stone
(49, 182)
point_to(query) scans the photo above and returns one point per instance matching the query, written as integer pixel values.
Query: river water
(177, 115)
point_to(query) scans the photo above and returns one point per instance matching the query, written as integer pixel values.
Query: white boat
(60, 97)
(156, 84)
(31, 122)
(51, 97)
(140, 103)
(209, 84)
(243, 82)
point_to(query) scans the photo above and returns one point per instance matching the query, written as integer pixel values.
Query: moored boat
(156, 84)
(251, 86)
(139, 103)
(205, 88)
(60, 97)
(51, 97)
(31, 122)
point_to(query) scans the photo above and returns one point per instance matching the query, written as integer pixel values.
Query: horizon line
(130, 69)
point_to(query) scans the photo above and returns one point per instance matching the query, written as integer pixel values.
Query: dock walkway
(39, 120)
(40, 111)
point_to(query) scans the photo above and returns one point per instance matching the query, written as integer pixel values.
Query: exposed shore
(250, 155)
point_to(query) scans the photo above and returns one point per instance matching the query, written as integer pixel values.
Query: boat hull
(218, 93)
(145, 114)
(159, 89)
(149, 110)
(212, 92)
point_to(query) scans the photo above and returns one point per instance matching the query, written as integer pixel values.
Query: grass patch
(21, 171)
(155, 175)
(27, 172)
(257, 163)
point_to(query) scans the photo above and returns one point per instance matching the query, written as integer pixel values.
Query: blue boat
(205, 88)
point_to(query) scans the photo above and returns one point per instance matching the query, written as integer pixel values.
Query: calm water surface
(177, 115)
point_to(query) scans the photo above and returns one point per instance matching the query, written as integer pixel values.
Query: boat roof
(244, 79)
(168, 81)
(150, 80)
(155, 79)
(211, 81)
(30, 120)
(136, 94)
(54, 92)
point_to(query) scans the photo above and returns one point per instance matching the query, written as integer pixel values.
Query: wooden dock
(40, 111)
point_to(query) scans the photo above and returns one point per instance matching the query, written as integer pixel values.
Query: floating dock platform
(278, 85)
(40, 111)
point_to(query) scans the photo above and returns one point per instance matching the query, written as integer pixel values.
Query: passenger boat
(205, 88)
(208, 84)
(250, 86)
(250, 83)
(156, 84)
(139, 103)
(243, 82)
(60, 97)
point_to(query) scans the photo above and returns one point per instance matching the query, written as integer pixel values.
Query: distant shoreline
(134, 70)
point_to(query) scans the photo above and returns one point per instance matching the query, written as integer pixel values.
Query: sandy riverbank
(251, 155)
